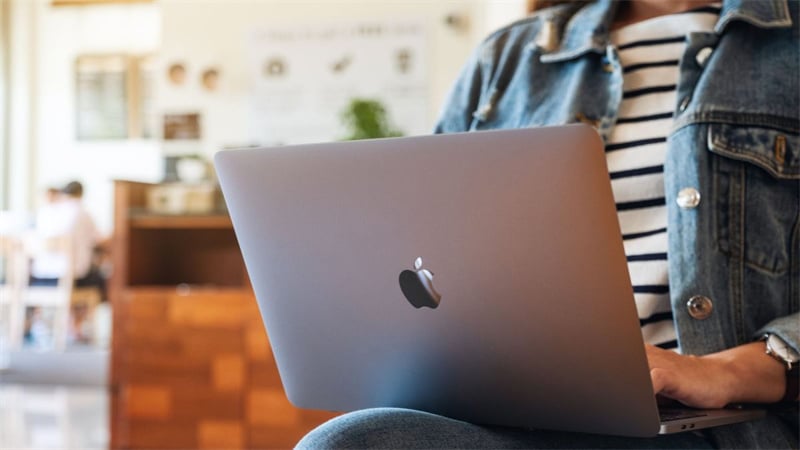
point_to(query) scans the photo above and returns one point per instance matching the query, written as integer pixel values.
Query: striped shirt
(649, 52)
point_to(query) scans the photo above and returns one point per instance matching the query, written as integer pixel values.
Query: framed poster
(305, 75)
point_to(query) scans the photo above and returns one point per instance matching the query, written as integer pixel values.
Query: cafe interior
(111, 112)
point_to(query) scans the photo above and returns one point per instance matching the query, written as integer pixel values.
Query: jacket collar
(760, 13)
(587, 30)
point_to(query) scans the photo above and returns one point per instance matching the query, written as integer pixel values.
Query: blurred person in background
(64, 214)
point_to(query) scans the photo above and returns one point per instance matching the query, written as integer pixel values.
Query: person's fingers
(660, 378)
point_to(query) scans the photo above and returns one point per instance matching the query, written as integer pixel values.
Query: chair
(13, 277)
(10, 252)
(60, 297)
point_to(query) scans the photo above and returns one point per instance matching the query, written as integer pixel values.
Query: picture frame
(113, 97)
(182, 126)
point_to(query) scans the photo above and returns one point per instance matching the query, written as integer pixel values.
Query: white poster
(305, 76)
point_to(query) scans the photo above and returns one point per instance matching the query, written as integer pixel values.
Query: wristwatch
(789, 357)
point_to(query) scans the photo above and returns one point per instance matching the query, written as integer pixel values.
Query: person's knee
(371, 428)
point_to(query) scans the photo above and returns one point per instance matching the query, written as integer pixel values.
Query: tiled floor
(85, 366)
(53, 417)
(56, 400)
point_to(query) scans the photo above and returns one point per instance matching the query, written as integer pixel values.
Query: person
(697, 103)
(66, 215)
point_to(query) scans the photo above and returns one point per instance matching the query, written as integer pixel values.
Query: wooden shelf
(168, 250)
(188, 289)
(156, 221)
(191, 366)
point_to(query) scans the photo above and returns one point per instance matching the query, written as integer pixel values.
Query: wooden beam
(94, 2)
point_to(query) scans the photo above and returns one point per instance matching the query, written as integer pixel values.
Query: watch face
(782, 350)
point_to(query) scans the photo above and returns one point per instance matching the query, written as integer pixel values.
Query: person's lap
(94, 278)
(403, 428)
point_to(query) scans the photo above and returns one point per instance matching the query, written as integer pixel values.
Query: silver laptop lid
(536, 326)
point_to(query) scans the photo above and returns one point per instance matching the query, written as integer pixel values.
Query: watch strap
(792, 384)
(792, 370)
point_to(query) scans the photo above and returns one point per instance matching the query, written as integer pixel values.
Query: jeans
(402, 428)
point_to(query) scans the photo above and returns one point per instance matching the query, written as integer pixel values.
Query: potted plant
(367, 119)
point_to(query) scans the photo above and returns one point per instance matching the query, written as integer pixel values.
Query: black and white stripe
(649, 52)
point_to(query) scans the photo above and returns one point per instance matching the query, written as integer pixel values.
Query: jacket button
(688, 198)
(700, 307)
(684, 104)
(483, 112)
(607, 66)
(702, 56)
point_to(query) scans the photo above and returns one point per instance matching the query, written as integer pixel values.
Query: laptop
(479, 276)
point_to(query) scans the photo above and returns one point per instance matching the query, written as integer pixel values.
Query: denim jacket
(734, 258)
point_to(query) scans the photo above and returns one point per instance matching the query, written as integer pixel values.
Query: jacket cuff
(785, 328)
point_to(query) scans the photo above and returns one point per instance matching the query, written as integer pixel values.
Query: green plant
(367, 119)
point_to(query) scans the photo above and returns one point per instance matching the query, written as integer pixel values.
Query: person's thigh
(403, 428)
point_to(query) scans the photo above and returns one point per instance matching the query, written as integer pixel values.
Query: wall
(45, 42)
(201, 33)
(19, 169)
(64, 33)
(4, 153)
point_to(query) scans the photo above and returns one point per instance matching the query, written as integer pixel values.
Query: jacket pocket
(757, 191)
(775, 151)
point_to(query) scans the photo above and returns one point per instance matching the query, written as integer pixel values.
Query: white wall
(4, 154)
(63, 34)
(21, 90)
(502, 12)
(204, 33)
(47, 40)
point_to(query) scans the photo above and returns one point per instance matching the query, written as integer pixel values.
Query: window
(113, 97)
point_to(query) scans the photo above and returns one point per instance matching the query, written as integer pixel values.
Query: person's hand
(738, 375)
(691, 380)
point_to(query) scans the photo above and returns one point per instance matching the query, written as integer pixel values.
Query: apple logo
(417, 286)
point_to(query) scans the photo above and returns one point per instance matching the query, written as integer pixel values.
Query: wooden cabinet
(170, 250)
(191, 366)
